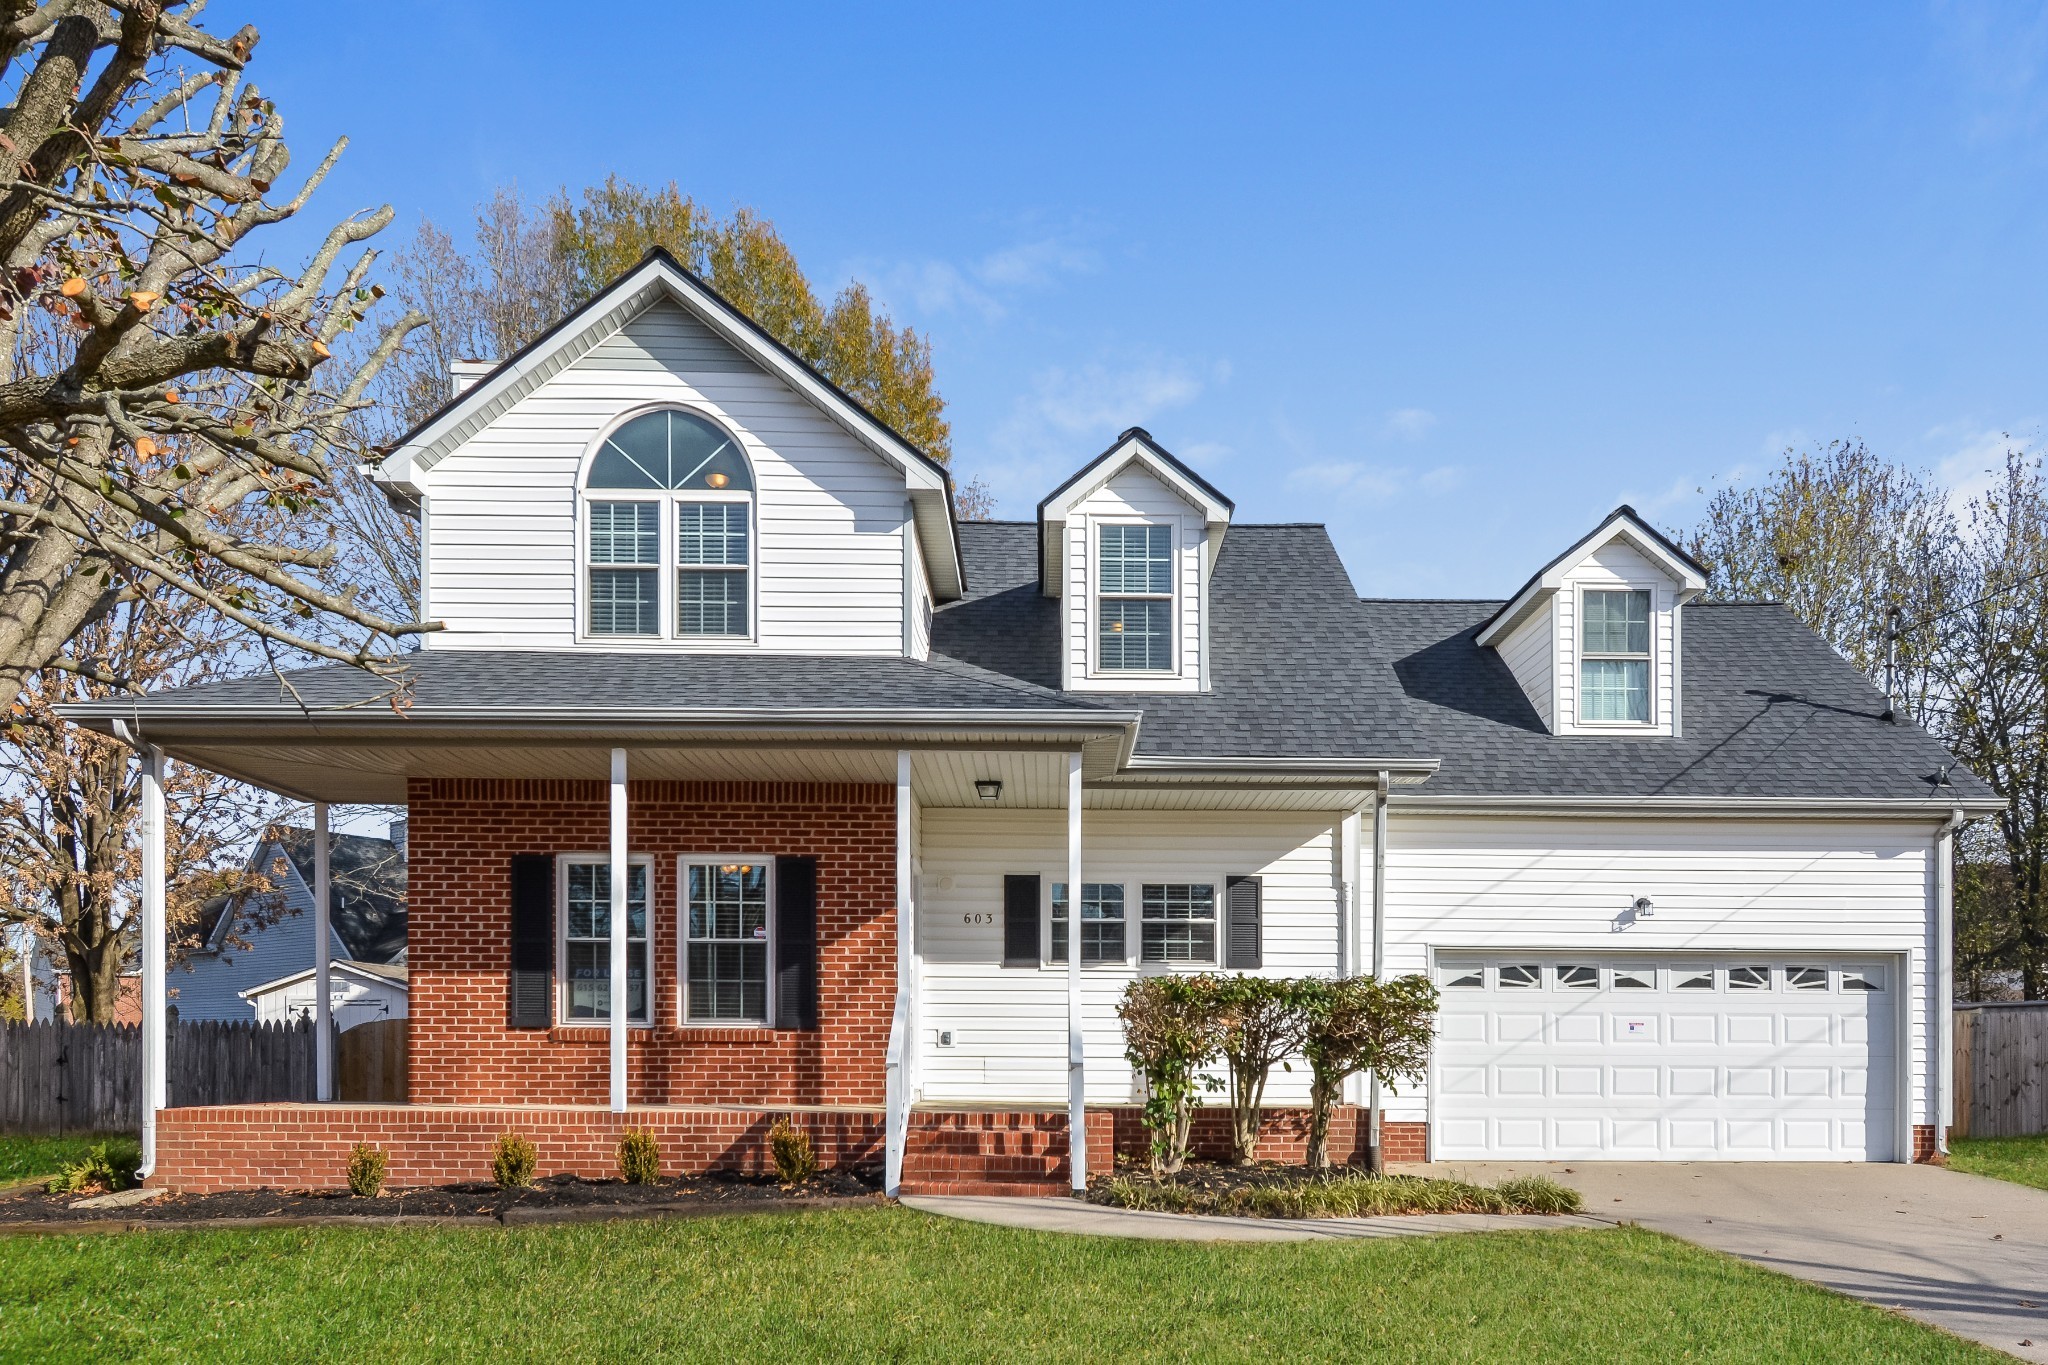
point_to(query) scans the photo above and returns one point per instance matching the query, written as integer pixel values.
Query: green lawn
(25, 1156)
(2022, 1160)
(891, 1283)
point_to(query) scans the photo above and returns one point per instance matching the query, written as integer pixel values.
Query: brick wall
(1923, 1142)
(463, 834)
(294, 1146)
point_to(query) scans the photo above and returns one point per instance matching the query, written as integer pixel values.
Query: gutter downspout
(1945, 980)
(1374, 1162)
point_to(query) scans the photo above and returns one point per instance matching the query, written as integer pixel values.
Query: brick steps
(1039, 1189)
(996, 1152)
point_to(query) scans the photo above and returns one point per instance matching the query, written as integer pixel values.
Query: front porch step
(1009, 1189)
(949, 1151)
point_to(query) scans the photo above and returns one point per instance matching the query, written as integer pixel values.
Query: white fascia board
(1546, 584)
(409, 468)
(1696, 808)
(1233, 767)
(1053, 518)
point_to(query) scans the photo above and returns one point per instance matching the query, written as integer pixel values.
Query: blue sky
(1454, 283)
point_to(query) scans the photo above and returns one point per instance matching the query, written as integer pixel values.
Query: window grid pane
(1615, 690)
(711, 533)
(1137, 635)
(624, 602)
(1617, 623)
(711, 602)
(1137, 559)
(587, 966)
(625, 533)
(1179, 922)
(1102, 922)
(727, 929)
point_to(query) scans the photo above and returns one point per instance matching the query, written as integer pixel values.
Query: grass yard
(2022, 1160)
(890, 1283)
(25, 1156)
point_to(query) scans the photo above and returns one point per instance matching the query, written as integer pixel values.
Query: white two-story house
(745, 780)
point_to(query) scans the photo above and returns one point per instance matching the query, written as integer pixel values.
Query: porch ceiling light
(989, 789)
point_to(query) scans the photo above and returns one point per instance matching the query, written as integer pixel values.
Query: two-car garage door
(1665, 1056)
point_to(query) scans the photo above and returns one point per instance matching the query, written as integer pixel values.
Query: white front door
(1665, 1056)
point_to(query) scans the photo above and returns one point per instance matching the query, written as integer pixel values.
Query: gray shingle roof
(514, 680)
(1302, 668)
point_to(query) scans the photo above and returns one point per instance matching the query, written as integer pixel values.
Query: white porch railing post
(619, 873)
(902, 1027)
(1077, 1084)
(323, 1005)
(156, 1090)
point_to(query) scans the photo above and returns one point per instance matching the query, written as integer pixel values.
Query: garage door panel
(1748, 1060)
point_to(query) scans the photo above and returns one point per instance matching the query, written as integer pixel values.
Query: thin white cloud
(983, 285)
(1409, 424)
(1069, 414)
(1976, 458)
(1358, 481)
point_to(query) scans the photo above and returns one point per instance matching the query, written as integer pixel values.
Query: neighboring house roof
(371, 971)
(366, 891)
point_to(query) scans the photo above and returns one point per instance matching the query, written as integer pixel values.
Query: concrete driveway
(1960, 1251)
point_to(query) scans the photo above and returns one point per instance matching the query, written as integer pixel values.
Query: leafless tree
(155, 380)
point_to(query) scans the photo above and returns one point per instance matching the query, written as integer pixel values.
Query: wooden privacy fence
(58, 1078)
(2001, 1080)
(371, 1060)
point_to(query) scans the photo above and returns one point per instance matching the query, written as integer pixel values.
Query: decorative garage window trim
(727, 931)
(584, 894)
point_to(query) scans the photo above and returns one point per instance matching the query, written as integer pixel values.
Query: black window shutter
(533, 940)
(1242, 948)
(796, 943)
(1020, 921)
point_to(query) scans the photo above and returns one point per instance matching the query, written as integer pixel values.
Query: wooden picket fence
(370, 1060)
(2001, 1077)
(57, 1078)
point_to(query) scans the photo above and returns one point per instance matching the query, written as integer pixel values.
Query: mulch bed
(561, 1198)
(1216, 1178)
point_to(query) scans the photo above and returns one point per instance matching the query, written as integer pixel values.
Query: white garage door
(1662, 1057)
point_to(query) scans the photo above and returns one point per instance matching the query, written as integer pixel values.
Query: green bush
(1344, 1196)
(512, 1162)
(639, 1158)
(1172, 1028)
(366, 1167)
(105, 1166)
(790, 1146)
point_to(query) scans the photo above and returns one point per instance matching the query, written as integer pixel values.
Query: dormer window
(1614, 658)
(1134, 599)
(668, 532)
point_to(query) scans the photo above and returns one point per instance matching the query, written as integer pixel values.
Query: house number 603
(978, 917)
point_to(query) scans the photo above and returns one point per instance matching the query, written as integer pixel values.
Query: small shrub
(366, 1167)
(639, 1158)
(790, 1146)
(512, 1162)
(105, 1166)
(1172, 1028)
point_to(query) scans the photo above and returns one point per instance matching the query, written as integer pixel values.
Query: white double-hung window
(1614, 658)
(668, 532)
(1134, 599)
(585, 894)
(726, 939)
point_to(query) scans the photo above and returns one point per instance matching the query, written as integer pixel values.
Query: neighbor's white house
(723, 678)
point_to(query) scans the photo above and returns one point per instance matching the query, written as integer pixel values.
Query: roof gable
(1622, 524)
(658, 277)
(1134, 449)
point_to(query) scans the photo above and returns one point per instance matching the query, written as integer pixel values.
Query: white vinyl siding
(1530, 653)
(1133, 496)
(1465, 885)
(501, 568)
(1614, 566)
(1009, 1024)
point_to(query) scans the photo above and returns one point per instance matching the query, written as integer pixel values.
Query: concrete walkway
(1071, 1215)
(1963, 1252)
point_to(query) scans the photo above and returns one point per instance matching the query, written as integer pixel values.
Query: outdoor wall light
(988, 789)
(1643, 908)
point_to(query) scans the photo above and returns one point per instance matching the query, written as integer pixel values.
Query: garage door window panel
(1520, 976)
(1806, 978)
(1749, 978)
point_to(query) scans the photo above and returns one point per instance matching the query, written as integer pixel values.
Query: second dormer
(1595, 637)
(1128, 545)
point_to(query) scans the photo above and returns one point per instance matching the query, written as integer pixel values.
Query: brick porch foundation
(306, 1146)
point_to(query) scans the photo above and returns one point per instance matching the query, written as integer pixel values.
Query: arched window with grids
(668, 534)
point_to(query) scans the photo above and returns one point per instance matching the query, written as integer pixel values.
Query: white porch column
(619, 873)
(323, 1005)
(1373, 1159)
(156, 1090)
(900, 1060)
(1077, 1084)
(1943, 1006)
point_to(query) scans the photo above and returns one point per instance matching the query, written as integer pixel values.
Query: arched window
(668, 532)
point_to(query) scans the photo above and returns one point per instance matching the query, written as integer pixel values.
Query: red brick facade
(306, 1146)
(462, 836)
(1923, 1142)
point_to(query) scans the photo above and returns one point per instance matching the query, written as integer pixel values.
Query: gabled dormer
(1128, 544)
(1594, 638)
